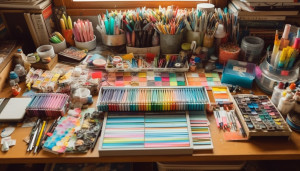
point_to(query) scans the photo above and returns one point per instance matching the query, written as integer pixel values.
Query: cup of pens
(194, 36)
(109, 28)
(84, 35)
(67, 29)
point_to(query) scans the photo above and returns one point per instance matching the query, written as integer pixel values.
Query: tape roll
(82, 95)
(45, 51)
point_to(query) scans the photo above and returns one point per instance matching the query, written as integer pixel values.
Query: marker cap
(286, 31)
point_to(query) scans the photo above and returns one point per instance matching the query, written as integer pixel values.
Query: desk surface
(264, 148)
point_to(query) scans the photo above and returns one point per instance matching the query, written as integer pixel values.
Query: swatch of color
(203, 79)
(200, 130)
(140, 130)
(144, 79)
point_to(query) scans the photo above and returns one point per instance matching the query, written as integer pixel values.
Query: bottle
(277, 92)
(13, 77)
(219, 35)
(20, 57)
(20, 71)
(286, 103)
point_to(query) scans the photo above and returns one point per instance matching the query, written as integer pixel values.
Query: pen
(40, 136)
(32, 133)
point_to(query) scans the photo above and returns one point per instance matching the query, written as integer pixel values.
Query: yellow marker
(40, 136)
(62, 24)
(65, 20)
(70, 23)
(59, 36)
(289, 54)
(128, 56)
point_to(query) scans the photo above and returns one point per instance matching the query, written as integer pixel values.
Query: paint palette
(126, 134)
(259, 116)
(144, 79)
(203, 79)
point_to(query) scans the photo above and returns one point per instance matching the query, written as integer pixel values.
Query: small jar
(208, 41)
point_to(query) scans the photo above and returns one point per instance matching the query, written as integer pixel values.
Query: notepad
(13, 109)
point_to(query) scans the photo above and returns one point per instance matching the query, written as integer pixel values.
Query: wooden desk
(265, 148)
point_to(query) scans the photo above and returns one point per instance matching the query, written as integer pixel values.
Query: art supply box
(267, 76)
(239, 73)
(259, 116)
(132, 66)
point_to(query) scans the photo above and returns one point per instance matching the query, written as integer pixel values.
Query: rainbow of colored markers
(152, 99)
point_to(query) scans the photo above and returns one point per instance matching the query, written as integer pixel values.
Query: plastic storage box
(239, 73)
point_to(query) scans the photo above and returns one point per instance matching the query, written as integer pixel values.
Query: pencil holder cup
(58, 47)
(208, 41)
(90, 45)
(267, 76)
(228, 51)
(113, 40)
(194, 36)
(68, 35)
(170, 44)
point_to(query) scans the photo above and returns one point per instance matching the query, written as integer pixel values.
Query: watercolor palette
(144, 79)
(125, 134)
(259, 116)
(203, 79)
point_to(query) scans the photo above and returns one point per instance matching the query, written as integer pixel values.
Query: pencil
(40, 136)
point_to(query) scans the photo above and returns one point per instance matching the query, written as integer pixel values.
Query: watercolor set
(143, 79)
(259, 116)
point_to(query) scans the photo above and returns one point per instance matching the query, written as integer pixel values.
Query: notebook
(13, 109)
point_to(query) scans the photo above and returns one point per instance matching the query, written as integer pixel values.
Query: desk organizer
(239, 73)
(267, 76)
(259, 116)
(152, 99)
(141, 62)
(127, 134)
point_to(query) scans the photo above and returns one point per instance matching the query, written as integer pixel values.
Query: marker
(284, 42)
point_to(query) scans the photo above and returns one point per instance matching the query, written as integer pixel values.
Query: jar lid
(186, 46)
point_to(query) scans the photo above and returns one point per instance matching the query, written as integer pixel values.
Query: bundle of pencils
(169, 21)
(83, 31)
(65, 23)
(110, 23)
